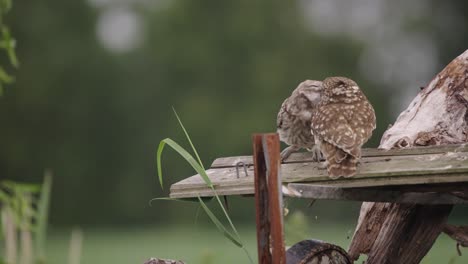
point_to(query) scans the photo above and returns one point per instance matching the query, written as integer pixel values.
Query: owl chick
(343, 122)
(294, 119)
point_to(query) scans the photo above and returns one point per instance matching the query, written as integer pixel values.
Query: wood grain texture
(408, 233)
(371, 219)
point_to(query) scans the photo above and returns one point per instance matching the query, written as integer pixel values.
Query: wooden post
(268, 199)
(261, 202)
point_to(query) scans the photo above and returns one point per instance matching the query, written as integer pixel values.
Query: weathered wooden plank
(301, 190)
(246, 187)
(367, 152)
(373, 171)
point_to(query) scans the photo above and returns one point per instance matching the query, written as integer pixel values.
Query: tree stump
(397, 233)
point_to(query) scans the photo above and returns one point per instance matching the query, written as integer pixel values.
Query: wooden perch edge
(402, 233)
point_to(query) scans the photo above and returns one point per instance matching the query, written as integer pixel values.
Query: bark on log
(408, 234)
(391, 233)
(162, 261)
(457, 233)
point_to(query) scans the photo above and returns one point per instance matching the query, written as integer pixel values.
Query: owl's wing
(331, 125)
(363, 122)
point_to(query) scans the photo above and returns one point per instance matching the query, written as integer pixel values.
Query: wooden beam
(446, 167)
(370, 194)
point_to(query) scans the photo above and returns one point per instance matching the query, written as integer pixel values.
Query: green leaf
(4, 197)
(5, 6)
(187, 156)
(22, 187)
(158, 161)
(188, 138)
(5, 77)
(190, 200)
(9, 43)
(198, 166)
(219, 225)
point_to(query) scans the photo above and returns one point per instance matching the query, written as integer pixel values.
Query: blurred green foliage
(96, 117)
(198, 245)
(24, 210)
(7, 44)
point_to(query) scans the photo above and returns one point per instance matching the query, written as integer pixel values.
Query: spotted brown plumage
(294, 119)
(343, 122)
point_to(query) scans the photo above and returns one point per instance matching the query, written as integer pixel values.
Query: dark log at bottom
(317, 252)
(162, 261)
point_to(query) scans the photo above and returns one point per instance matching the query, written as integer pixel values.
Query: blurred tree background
(93, 96)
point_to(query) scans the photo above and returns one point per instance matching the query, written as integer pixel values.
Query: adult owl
(343, 122)
(294, 119)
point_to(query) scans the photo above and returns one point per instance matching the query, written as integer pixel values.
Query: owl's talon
(322, 166)
(287, 152)
(317, 155)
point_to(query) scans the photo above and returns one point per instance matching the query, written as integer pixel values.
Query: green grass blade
(158, 161)
(226, 215)
(22, 187)
(4, 198)
(190, 200)
(5, 77)
(200, 169)
(42, 216)
(219, 225)
(189, 158)
(188, 138)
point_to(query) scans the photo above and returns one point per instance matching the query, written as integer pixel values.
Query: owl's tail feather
(346, 167)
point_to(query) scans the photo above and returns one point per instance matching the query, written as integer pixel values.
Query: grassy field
(204, 245)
